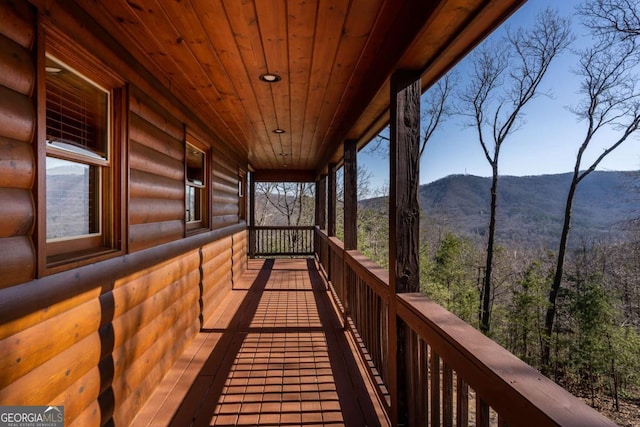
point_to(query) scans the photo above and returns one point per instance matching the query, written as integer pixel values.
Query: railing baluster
(435, 388)
(482, 412)
(447, 395)
(423, 363)
(411, 373)
(462, 403)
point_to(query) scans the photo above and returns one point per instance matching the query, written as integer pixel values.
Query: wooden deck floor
(275, 355)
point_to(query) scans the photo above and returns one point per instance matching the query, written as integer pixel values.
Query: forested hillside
(596, 338)
(530, 209)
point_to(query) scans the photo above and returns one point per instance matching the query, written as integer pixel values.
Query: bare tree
(505, 77)
(263, 192)
(435, 107)
(364, 191)
(286, 203)
(614, 17)
(611, 101)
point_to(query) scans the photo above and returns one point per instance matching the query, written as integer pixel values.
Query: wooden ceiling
(334, 58)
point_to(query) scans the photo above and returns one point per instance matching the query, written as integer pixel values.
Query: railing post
(404, 215)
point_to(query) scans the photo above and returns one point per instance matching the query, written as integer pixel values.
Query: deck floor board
(281, 358)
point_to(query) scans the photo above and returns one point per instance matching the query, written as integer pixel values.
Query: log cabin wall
(156, 175)
(17, 132)
(239, 256)
(225, 185)
(99, 338)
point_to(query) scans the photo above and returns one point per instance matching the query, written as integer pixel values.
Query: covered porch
(294, 345)
(162, 316)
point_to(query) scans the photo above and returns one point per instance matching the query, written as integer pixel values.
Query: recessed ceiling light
(278, 130)
(270, 78)
(52, 69)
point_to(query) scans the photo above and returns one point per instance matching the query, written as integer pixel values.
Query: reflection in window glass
(73, 199)
(193, 204)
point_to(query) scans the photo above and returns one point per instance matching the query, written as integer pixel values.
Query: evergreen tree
(526, 313)
(451, 281)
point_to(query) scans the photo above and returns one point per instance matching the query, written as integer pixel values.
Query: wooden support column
(321, 202)
(350, 195)
(252, 215)
(331, 202)
(404, 216)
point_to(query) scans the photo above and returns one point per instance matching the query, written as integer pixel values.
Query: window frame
(56, 255)
(195, 142)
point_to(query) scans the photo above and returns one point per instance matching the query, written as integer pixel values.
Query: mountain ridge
(531, 208)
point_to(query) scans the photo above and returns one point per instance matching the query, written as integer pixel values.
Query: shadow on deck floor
(276, 355)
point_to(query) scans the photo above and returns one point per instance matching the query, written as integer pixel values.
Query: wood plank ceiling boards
(334, 59)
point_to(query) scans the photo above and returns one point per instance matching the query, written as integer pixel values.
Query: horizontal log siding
(122, 328)
(216, 275)
(124, 332)
(156, 178)
(98, 339)
(225, 210)
(239, 259)
(17, 132)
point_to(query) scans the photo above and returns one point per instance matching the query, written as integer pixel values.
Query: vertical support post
(252, 215)
(331, 214)
(322, 246)
(321, 202)
(404, 216)
(321, 194)
(350, 191)
(331, 202)
(350, 195)
(317, 204)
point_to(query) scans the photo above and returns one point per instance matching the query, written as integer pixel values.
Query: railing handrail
(283, 227)
(375, 276)
(493, 371)
(335, 244)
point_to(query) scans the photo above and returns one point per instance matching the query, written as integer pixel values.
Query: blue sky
(545, 144)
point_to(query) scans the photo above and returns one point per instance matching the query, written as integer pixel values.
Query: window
(196, 196)
(81, 221)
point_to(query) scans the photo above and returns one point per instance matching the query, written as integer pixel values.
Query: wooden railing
(453, 374)
(336, 267)
(366, 304)
(321, 248)
(282, 241)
